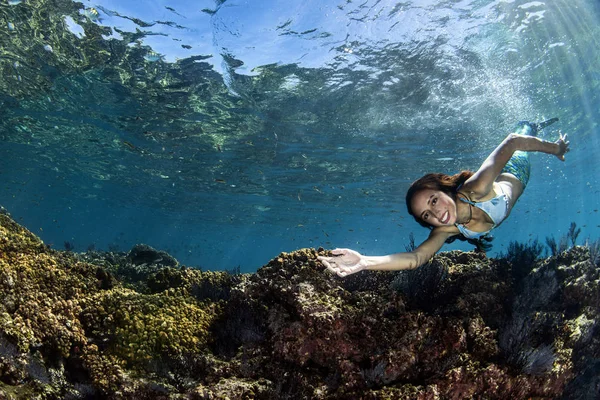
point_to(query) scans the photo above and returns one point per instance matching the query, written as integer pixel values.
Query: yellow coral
(144, 327)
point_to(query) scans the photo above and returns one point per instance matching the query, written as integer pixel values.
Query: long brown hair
(448, 184)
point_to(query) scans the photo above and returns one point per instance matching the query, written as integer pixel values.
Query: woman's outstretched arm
(480, 184)
(346, 261)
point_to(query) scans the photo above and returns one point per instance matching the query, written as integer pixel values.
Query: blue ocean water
(226, 132)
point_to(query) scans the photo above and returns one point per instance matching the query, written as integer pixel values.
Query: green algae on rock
(71, 329)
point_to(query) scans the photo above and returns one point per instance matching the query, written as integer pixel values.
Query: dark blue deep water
(228, 131)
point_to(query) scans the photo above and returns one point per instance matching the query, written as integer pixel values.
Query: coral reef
(521, 257)
(74, 327)
(563, 243)
(134, 267)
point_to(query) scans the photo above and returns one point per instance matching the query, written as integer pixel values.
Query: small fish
(220, 180)
(48, 48)
(153, 56)
(14, 2)
(129, 144)
(11, 26)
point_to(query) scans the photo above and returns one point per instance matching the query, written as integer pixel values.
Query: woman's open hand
(344, 262)
(563, 146)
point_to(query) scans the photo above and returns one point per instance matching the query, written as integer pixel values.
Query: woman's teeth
(446, 217)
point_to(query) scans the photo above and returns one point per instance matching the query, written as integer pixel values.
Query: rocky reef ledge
(461, 327)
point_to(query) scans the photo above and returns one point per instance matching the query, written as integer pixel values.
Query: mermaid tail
(542, 125)
(518, 165)
(532, 128)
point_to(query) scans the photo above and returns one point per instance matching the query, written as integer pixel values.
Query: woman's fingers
(324, 261)
(563, 145)
(344, 262)
(329, 263)
(332, 266)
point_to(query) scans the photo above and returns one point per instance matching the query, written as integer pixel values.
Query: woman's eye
(434, 201)
(425, 216)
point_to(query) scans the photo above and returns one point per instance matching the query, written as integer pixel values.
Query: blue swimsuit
(518, 165)
(497, 209)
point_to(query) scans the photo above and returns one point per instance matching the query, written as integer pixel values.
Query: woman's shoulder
(446, 230)
(476, 194)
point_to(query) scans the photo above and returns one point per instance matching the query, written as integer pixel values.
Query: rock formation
(461, 327)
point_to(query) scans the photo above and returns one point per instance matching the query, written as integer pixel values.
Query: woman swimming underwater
(464, 206)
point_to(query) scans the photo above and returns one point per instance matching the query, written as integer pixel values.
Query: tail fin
(532, 128)
(546, 123)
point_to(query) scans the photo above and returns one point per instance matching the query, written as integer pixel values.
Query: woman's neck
(464, 212)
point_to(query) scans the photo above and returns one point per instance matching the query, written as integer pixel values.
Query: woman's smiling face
(434, 207)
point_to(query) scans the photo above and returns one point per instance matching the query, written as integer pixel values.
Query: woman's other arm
(481, 183)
